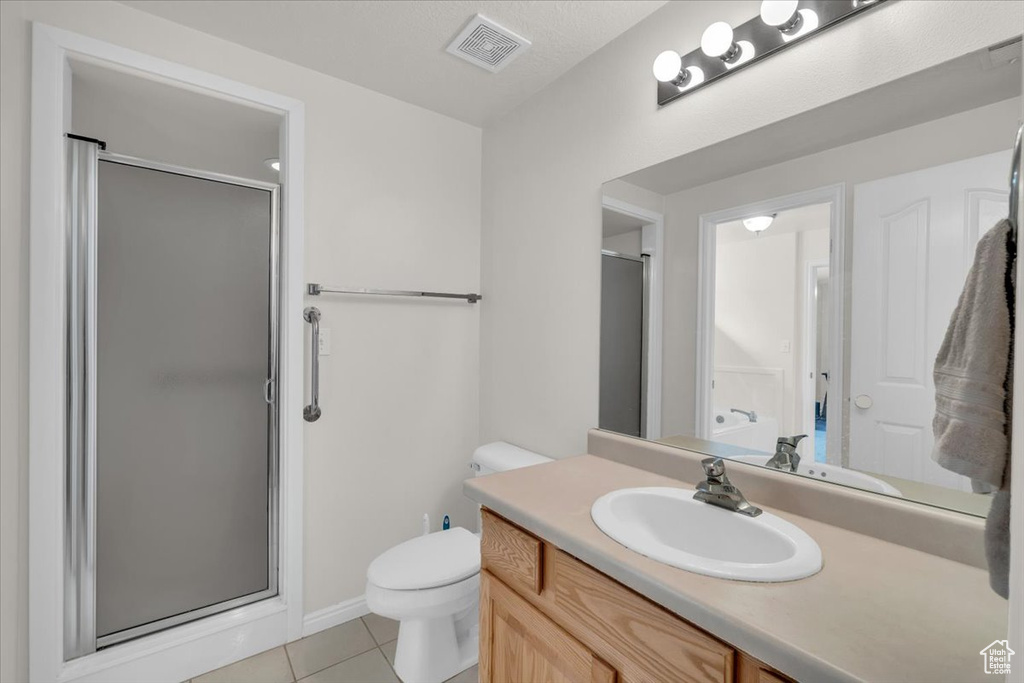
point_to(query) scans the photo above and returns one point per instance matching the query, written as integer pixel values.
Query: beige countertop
(877, 611)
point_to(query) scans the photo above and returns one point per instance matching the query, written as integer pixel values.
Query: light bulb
(758, 224)
(717, 42)
(667, 66)
(780, 13)
(275, 164)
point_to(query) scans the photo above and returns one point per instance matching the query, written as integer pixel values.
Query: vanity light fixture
(758, 224)
(668, 68)
(725, 48)
(717, 41)
(782, 14)
(273, 164)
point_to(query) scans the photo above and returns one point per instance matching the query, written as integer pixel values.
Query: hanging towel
(974, 391)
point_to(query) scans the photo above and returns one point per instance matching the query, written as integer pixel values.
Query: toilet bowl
(431, 586)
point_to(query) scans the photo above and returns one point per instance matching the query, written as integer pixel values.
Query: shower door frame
(184, 651)
(273, 449)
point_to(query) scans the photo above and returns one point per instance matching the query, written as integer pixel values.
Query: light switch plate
(784, 347)
(325, 341)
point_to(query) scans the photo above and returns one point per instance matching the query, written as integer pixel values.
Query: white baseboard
(325, 618)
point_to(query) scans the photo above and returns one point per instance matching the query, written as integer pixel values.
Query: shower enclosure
(171, 467)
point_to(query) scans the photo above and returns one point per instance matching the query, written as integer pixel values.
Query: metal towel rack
(1015, 181)
(316, 289)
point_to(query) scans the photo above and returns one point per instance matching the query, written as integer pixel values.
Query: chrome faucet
(716, 489)
(786, 458)
(751, 415)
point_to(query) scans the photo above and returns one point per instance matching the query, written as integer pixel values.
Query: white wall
(544, 164)
(759, 292)
(755, 288)
(627, 243)
(156, 121)
(392, 200)
(635, 195)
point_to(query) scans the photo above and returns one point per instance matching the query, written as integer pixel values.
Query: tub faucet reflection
(716, 489)
(751, 415)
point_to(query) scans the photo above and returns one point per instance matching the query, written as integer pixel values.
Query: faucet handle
(713, 467)
(790, 440)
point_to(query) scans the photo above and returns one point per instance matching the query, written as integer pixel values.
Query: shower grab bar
(311, 413)
(316, 289)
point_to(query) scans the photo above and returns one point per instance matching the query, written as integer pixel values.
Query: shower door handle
(311, 413)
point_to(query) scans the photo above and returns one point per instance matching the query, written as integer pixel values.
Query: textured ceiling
(397, 47)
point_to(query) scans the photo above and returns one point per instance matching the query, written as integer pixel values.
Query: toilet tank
(502, 457)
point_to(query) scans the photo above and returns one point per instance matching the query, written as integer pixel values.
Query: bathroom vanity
(529, 587)
(560, 601)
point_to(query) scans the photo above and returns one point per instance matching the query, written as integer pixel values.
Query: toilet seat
(427, 604)
(436, 560)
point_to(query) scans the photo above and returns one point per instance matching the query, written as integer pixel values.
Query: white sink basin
(668, 525)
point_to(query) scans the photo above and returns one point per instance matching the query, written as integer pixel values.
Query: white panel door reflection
(913, 242)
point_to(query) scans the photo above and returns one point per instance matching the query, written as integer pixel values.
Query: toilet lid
(437, 559)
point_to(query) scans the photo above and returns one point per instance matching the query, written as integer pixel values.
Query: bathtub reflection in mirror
(799, 279)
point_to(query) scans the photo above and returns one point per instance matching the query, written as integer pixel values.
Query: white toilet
(431, 585)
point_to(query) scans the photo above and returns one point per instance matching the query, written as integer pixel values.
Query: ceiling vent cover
(487, 44)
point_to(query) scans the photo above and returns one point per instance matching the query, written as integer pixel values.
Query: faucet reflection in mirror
(724, 49)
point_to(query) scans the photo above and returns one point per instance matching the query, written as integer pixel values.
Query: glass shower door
(184, 417)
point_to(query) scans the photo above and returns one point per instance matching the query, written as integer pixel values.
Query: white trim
(339, 613)
(652, 243)
(831, 194)
(809, 369)
(1015, 618)
(185, 651)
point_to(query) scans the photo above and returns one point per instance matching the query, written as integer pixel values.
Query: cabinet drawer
(646, 642)
(511, 554)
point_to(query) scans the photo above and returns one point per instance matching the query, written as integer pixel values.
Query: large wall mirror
(797, 281)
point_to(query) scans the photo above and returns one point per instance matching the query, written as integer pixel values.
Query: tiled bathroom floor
(358, 651)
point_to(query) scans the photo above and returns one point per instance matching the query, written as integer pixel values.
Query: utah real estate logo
(997, 657)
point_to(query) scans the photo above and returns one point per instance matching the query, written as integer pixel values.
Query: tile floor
(358, 651)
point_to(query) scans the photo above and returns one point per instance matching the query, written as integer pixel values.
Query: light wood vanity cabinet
(547, 617)
(527, 646)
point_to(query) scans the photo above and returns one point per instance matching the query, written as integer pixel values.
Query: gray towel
(974, 392)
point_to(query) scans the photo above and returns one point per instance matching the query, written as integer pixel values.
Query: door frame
(188, 650)
(835, 196)
(652, 244)
(809, 361)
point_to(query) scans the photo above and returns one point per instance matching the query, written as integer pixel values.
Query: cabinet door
(750, 670)
(518, 644)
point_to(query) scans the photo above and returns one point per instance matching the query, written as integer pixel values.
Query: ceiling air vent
(487, 44)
